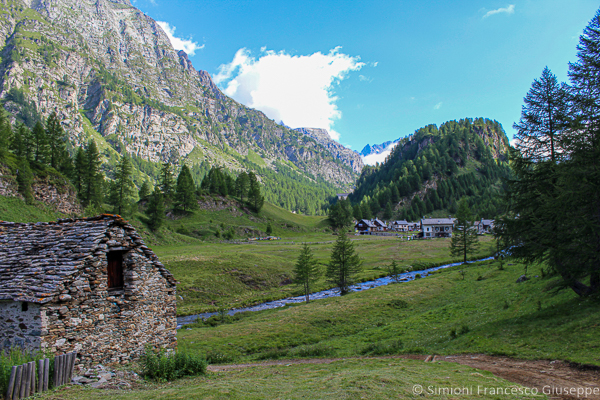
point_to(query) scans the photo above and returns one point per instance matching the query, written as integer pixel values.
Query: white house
(437, 227)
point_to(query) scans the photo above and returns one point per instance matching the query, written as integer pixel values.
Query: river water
(359, 287)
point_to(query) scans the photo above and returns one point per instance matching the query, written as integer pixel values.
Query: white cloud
(363, 78)
(508, 10)
(297, 90)
(186, 45)
(438, 106)
(371, 159)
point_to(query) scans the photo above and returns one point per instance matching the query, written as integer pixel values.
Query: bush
(161, 366)
(383, 348)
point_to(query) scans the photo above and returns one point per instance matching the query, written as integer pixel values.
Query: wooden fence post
(56, 369)
(11, 382)
(17, 389)
(40, 384)
(46, 373)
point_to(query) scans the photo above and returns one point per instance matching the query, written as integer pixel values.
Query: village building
(86, 285)
(364, 226)
(379, 225)
(485, 226)
(437, 227)
(398, 226)
(414, 226)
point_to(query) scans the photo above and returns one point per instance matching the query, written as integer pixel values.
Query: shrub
(161, 366)
(398, 303)
(383, 348)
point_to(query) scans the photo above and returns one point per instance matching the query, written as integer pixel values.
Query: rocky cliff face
(347, 156)
(110, 73)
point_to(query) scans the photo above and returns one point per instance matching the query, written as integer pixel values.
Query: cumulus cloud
(298, 90)
(371, 159)
(508, 10)
(186, 45)
(438, 106)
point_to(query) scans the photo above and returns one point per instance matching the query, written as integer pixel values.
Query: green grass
(342, 379)
(16, 210)
(487, 312)
(218, 275)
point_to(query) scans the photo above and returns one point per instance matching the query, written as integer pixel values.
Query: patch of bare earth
(556, 379)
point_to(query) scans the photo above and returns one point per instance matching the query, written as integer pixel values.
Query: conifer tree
(40, 143)
(306, 271)
(80, 173)
(93, 180)
(167, 182)
(122, 189)
(185, 193)
(5, 131)
(344, 264)
(25, 180)
(56, 138)
(255, 199)
(464, 238)
(242, 184)
(156, 209)
(144, 191)
(388, 212)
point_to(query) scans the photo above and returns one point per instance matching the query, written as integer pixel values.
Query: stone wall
(20, 324)
(112, 326)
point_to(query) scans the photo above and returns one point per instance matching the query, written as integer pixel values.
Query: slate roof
(35, 258)
(437, 221)
(366, 222)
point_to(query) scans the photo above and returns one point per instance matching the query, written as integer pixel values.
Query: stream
(359, 287)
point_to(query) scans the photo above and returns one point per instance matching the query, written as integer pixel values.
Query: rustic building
(89, 285)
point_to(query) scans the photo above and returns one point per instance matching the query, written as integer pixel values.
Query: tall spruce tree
(156, 209)
(242, 184)
(56, 139)
(185, 192)
(122, 189)
(40, 143)
(25, 180)
(464, 238)
(5, 131)
(344, 264)
(306, 271)
(255, 199)
(93, 180)
(167, 182)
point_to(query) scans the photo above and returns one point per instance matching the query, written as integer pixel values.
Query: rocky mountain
(376, 148)
(347, 156)
(111, 74)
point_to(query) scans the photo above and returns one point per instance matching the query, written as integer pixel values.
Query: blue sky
(373, 71)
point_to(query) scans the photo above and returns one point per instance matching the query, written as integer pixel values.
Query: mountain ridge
(111, 73)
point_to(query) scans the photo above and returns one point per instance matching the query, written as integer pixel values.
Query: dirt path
(553, 378)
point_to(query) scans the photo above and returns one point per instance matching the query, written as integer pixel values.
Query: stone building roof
(37, 258)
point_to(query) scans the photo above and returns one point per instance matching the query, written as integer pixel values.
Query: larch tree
(185, 191)
(464, 238)
(344, 264)
(306, 271)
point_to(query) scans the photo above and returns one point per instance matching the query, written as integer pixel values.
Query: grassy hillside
(486, 312)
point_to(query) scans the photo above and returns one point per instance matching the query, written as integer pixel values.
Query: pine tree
(156, 209)
(464, 238)
(344, 264)
(56, 138)
(306, 271)
(340, 214)
(185, 192)
(122, 189)
(25, 180)
(144, 191)
(93, 180)
(167, 182)
(40, 143)
(5, 131)
(255, 199)
(242, 184)
(387, 214)
(80, 173)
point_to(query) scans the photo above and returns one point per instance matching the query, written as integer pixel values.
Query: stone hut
(89, 285)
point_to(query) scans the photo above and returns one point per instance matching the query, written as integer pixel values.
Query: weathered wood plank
(11, 382)
(46, 373)
(55, 374)
(24, 381)
(40, 385)
(32, 382)
(17, 389)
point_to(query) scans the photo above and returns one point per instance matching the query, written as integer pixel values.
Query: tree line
(45, 149)
(554, 199)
